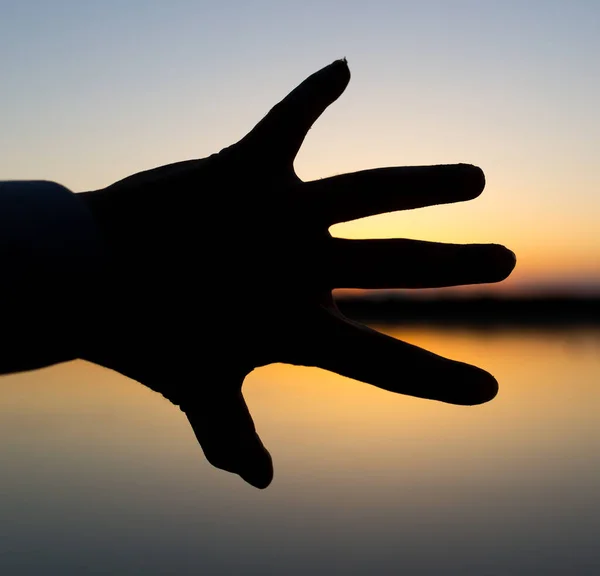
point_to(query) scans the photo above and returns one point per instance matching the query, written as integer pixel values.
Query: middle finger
(401, 263)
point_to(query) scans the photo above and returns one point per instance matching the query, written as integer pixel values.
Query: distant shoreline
(476, 312)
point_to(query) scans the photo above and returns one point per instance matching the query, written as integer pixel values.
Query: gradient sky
(94, 91)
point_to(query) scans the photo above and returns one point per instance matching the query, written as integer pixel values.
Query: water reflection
(102, 476)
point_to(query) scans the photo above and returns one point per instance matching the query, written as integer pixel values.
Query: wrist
(93, 307)
(51, 256)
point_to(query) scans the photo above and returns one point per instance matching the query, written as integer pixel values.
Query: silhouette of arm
(213, 267)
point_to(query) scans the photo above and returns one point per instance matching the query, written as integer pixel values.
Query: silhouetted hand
(220, 265)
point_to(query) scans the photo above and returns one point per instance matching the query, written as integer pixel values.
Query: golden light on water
(543, 380)
(356, 468)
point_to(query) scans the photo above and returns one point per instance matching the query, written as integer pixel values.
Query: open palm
(224, 264)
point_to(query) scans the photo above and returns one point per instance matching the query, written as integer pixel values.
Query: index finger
(369, 192)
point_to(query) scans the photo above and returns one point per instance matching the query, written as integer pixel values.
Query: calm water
(102, 476)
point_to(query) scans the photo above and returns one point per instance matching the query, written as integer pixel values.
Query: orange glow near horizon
(318, 421)
(552, 253)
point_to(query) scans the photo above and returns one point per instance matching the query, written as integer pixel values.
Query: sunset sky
(94, 91)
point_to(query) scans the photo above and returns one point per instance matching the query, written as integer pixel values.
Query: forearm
(50, 260)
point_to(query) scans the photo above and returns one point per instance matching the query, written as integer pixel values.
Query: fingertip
(506, 260)
(465, 384)
(472, 180)
(261, 482)
(484, 389)
(478, 179)
(340, 70)
(342, 63)
(477, 387)
(258, 471)
(512, 257)
(495, 263)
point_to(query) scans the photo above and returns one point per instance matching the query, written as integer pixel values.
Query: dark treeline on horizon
(528, 311)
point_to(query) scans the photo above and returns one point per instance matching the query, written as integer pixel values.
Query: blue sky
(92, 92)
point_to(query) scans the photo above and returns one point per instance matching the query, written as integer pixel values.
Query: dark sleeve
(50, 264)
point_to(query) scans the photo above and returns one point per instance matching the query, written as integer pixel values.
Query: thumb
(225, 430)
